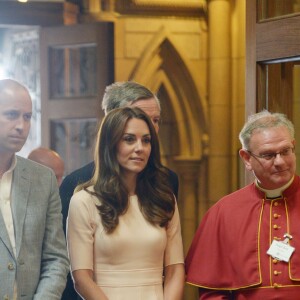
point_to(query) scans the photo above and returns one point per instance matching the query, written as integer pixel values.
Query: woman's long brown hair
(156, 199)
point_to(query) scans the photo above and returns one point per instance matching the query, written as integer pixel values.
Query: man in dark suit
(119, 94)
(33, 260)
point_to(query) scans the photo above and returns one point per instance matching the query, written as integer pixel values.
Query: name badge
(281, 250)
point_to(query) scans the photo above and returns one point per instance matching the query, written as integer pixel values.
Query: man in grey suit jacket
(33, 257)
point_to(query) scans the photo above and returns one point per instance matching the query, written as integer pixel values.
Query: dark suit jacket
(66, 191)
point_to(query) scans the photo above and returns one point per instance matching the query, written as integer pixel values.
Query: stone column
(187, 203)
(219, 87)
(188, 172)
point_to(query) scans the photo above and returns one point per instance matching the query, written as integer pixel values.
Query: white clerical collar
(274, 193)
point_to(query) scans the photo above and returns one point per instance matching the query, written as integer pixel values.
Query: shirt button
(276, 285)
(275, 261)
(276, 216)
(276, 226)
(276, 273)
(276, 203)
(10, 266)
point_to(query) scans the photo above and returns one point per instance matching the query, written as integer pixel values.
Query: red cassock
(228, 252)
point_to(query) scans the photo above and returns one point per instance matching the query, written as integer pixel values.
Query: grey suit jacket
(41, 263)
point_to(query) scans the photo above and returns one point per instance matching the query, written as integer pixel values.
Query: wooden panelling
(278, 39)
(250, 57)
(37, 13)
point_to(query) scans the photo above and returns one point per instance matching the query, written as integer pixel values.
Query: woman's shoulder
(85, 197)
(83, 205)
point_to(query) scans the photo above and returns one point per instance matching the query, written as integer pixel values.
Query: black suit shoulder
(80, 175)
(69, 184)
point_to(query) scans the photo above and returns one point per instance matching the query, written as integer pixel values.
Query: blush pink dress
(128, 263)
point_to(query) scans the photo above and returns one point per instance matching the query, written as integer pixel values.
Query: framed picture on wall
(73, 71)
(74, 140)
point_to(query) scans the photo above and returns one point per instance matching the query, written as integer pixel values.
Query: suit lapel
(20, 194)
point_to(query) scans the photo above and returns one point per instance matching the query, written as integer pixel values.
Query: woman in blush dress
(123, 229)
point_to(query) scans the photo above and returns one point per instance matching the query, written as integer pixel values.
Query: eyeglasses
(272, 155)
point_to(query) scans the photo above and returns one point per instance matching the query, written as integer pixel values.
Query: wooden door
(272, 59)
(76, 65)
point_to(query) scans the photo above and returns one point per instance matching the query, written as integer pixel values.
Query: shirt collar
(276, 192)
(13, 164)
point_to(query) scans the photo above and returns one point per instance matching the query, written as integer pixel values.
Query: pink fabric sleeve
(80, 231)
(174, 250)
